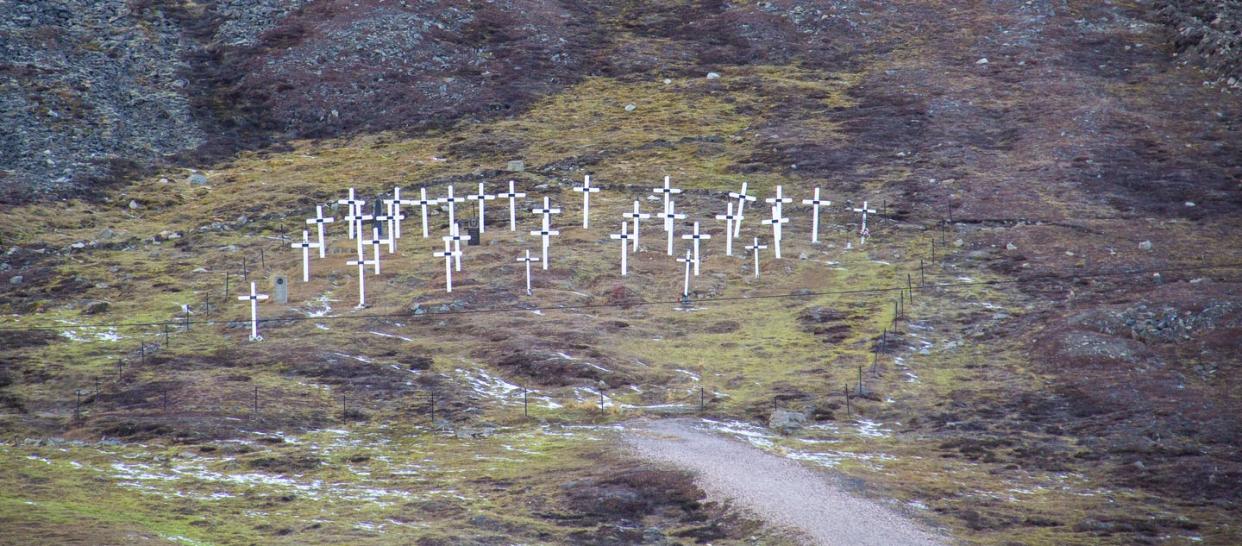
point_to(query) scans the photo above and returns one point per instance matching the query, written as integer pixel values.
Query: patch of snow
(871, 429)
(382, 334)
(692, 375)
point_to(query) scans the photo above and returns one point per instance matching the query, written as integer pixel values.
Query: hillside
(1058, 192)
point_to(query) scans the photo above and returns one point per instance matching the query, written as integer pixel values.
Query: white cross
(685, 291)
(394, 220)
(624, 238)
(815, 203)
(362, 264)
(776, 222)
(353, 204)
(670, 214)
(376, 243)
(545, 233)
(394, 210)
(481, 197)
(864, 210)
(448, 256)
(254, 298)
(756, 248)
(666, 190)
(742, 198)
(586, 190)
(729, 219)
(356, 218)
(778, 201)
(422, 202)
(636, 216)
(456, 237)
(528, 260)
(319, 220)
(306, 245)
(512, 197)
(451, 203)
(547, 211)
(696, 236)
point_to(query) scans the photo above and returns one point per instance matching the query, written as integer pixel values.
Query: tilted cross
(667, 191)
(481, 197)
(729, 219)
(742, 198)
(685, 291)
(624, 238)
(636, 215)
(776, 222)
(319, 220)
(528, 260)
(254, 299)
(448, 256)
(305, 245)
(815, 202)
(670, 214)
(756, 248)
(586, 190)
(512, 197)
(696, 236)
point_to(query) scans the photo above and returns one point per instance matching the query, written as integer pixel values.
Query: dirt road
(777, 490)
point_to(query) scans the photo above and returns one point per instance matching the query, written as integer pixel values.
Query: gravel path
(778, 490)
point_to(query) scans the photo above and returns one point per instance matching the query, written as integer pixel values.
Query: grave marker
(319, 220)
(448, 256)
(864, 210)
(776, 222)
(756, 248)
(456, 236)
(586, 190)
(669, 215)
(729, 219)
(667, 191)
(685, 291)
(254, 299)
(624, 238)
(353, 204)
(376, 243)
(512, 197)
(481, 197)
(280, 285)
(778, 202)
(742, 198)
(528, 260)
(696, 236)
(306, 245)
(636, 215)
(452, 204)
(815, 202)
(545, 233)
(362, 264)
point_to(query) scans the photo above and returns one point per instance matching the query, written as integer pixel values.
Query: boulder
(785, 421)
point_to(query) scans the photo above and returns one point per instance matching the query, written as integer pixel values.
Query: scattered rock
(785, 421)
(803, 256)
(713, 76)
(630, 107)
(958, 243)
(516, 166)
(106, 233)
(1011, 246)
(134, 205)
(16, 280)
(982, 61)
(198, 179)
(1145, 245)
(96, 307)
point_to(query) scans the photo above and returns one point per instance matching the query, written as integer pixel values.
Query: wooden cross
(254, 298)
(815, 202)
(423, 203)
(376, 243)
(356, 218)
(512, 197)
(449, 254)
(624, 238)
(353, 204)
(729, 219)
(306, 245)
(394, 210)
(362, 264)
(528, 260)
(586, 190)
(696, 236)
(481, 197)
(451, 204)
(547, 211)
(667, 191)
(319, 220)
(864, 210)
(756, 248)
(456, 236)
(685, 291)
(393, 220)
(546, 232)
(670, 214)
(777, 201)
(776, 222)
(742, 198)
(636, 215)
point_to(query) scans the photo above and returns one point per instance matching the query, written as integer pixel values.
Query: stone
(630, 107)
(516, 166)
(16, 280)
(803, 256)
(713, 76)
(280, 289)
(982, 61)
(198, 179)
(96, 308)
(958, 243)
(1145, 245)
(667, 81)
(134, 204)
(785, 421)
(1011, 246)
(1190, 203)
(106, 233)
